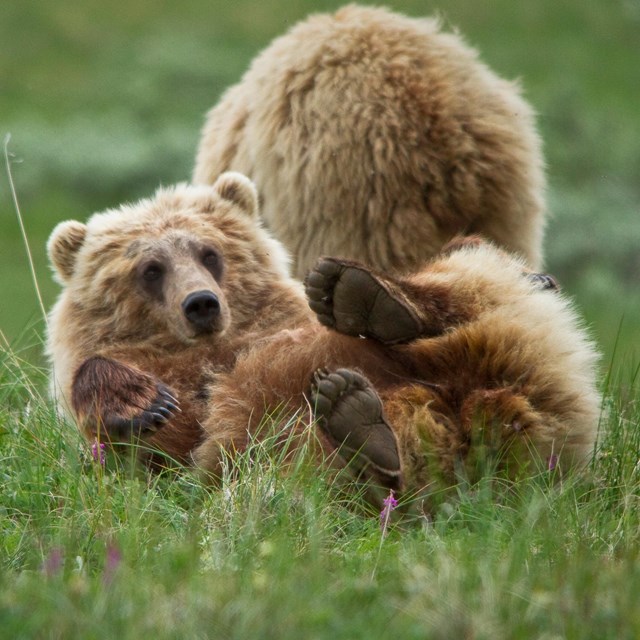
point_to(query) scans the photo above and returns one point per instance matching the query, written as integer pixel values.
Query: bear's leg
(352, 299)
(350, 412)
(349, 298)
(503, 429)
(119, 401)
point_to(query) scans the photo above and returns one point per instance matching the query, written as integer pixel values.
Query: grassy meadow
(103, 102)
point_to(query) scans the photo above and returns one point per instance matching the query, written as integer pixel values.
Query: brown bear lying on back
(184, 299)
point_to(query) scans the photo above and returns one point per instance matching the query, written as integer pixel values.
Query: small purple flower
(390, 503)
(53, 563)
(553, 462)
(111, 563)
(97, 452)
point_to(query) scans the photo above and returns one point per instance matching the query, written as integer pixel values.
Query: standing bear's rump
(378, 137)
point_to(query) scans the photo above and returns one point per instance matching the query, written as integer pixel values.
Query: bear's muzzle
(202, 310)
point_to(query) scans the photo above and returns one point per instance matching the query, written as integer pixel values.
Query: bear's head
(176, 268)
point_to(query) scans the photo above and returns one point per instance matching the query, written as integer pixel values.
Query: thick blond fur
(377, 137)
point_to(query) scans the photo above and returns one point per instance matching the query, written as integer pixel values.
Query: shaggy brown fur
(470, 357)
(377, 137)
(490, 366)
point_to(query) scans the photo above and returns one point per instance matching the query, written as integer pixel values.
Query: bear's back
(377, 137)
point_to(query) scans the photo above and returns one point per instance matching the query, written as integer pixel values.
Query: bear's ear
(63, 245)
(238, 189)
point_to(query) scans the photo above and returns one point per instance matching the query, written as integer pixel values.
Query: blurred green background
(105, 100)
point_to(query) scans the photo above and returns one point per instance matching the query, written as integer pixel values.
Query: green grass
(88, 551)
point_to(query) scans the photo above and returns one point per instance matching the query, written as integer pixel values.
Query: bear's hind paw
(350, 299)
(350, 412)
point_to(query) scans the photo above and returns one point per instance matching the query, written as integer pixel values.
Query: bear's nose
(201, 309)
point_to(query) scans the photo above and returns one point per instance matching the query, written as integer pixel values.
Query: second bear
(378, 137)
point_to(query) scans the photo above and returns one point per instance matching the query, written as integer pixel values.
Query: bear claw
(148, 421)
(544, 280)
(119, 400)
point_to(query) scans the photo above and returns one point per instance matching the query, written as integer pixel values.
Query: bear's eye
(211, 260)
(152, 272)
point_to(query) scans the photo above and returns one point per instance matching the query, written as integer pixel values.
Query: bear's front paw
(119, 401)
(143, 422)
(350, 299)
(349, 411)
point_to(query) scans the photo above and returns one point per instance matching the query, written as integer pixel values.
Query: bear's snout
(202, 310)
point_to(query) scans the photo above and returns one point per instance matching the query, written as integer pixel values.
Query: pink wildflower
(53, 563)
(390, 503)
(112, 562)
(553, 462)
(97, 451)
